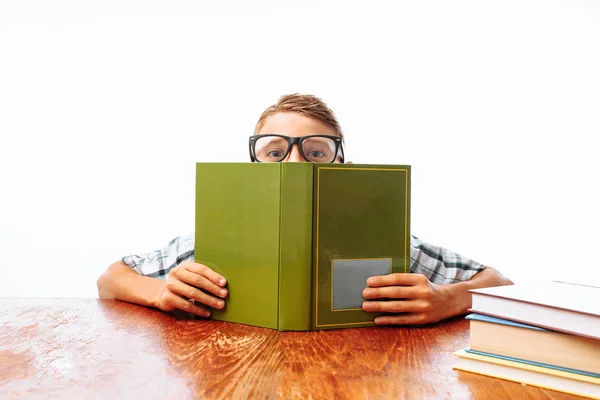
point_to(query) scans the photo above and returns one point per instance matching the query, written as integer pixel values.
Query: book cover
(564, 307)
(297, 241)
(534, 375)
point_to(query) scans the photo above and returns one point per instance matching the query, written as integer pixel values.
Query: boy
(301, 128)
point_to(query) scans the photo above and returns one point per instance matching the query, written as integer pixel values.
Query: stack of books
(545, 335)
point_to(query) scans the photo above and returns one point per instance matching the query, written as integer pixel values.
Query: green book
(297, 241)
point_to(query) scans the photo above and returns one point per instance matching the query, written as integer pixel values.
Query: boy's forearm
(122, 283)
(458, 293)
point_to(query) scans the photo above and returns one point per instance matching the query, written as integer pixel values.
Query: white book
(564, 307)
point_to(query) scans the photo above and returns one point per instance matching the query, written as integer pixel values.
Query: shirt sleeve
(158, 263)
(440, 265)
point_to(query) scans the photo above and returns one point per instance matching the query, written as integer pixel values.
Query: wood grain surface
(104, 349)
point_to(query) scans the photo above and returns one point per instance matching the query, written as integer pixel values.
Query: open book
(297, 241)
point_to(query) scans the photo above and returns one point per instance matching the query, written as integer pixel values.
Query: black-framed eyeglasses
(313, 148)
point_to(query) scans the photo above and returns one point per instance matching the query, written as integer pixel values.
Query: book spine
(404, 267)
(295, 246)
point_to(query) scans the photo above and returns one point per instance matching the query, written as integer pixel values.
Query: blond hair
(305, 104)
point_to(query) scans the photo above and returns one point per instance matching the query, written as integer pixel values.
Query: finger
(200, 281)
(403, 319)
(190, 292)
(397, 279)
(398, 306)
(205, 271)
(177, 302)
(390, 292)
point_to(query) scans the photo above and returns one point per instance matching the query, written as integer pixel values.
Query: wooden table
(104, 349)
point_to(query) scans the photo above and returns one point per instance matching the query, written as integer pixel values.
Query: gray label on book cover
(350, 279)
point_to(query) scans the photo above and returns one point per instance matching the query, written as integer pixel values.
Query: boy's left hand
(412, 297)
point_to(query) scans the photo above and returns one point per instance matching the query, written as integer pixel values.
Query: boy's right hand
(184, 283)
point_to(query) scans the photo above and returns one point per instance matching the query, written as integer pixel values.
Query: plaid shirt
(438, 264)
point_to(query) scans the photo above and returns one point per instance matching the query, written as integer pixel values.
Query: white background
(106, 106)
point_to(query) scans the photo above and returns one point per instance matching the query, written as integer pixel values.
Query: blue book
(495, 320)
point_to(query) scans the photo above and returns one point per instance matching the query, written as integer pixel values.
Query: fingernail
(367, 304)
(223, 292)
(220, 303)
(221, 281)
(370, 281)
(207, 314)
(367, 292)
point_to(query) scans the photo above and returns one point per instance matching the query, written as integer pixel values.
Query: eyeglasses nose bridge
(295, 141)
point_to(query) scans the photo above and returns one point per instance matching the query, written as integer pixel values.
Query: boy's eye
(275, 153)
(315, 153)
(319, 154)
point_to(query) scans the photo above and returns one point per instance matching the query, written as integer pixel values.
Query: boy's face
(295, 125)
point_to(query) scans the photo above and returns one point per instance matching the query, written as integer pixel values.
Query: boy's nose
(295, 155)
